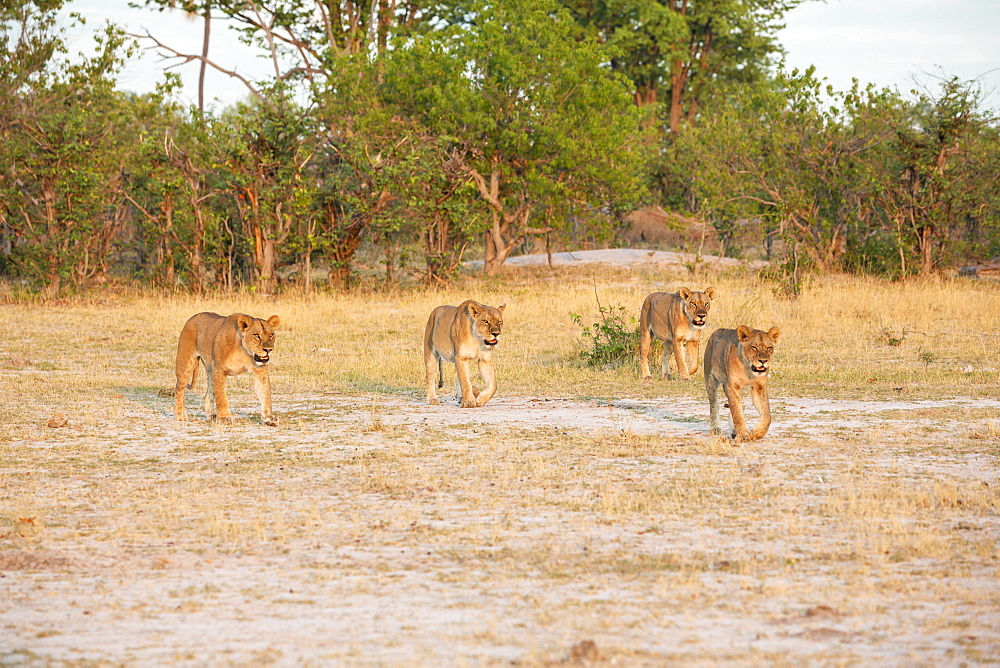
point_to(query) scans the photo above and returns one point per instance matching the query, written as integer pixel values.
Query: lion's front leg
(758, 393)
(262, 386)
(678, 351)
(216, 394)
(467, 395)
(692, 353)
(490, 378)
(735, 399)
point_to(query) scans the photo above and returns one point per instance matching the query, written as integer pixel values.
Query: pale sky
(897, 43)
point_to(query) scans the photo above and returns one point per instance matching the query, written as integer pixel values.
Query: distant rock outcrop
(988, 270)
(654, 227)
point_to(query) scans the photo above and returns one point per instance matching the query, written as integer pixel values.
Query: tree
(682, 51)
(268, 149)
(940, 187)
(171, 185)
(528, 113)
(64, 130)
(304, 40)
(785, 159)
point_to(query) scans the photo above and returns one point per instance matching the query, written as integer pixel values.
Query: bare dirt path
(377, 530)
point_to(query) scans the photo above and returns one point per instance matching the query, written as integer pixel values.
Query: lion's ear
(244, 322)
(501, 308)
(685, 293)
(774, 333)
(743, 333)
(473, 309)
(274, 321)
(710, 293)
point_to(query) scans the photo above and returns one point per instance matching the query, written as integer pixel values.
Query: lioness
(676, 319)
(734, 358)
(227, 346)
(462, 334)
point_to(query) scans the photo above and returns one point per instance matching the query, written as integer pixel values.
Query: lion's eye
(256, 336)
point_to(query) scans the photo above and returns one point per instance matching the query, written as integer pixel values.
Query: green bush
(613, 338)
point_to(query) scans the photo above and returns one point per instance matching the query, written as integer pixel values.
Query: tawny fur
(676, 319)
(462, 334)
(735, 358)
(227, 346)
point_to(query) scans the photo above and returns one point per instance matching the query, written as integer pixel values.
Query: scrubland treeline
(438, 131)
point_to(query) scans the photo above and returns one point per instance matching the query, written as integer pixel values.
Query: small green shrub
(890, 338)
(788, 279)
(613, 338)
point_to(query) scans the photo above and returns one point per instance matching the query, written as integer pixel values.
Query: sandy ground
(628, 257)
(356, 533)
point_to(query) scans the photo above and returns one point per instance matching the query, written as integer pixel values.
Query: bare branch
(187, 58)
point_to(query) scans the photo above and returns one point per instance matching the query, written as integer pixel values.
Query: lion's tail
(440, 374)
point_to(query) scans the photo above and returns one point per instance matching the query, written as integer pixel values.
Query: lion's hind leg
(210, 400)
(712, 387)
(186, 374)
(645, 342)
(432, 362)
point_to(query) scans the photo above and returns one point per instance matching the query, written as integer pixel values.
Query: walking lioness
(676, 319)
(734, 358)
(227, 346)
(462, 334)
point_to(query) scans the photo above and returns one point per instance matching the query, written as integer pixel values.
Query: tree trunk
(204, 60)
(307, 271)
(645, 99)
(678, 86)
(265, 258)
(925, 242)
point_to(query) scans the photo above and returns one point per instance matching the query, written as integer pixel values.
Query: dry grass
(369, 528)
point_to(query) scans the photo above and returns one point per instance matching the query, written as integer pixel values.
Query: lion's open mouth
(261, 359)
(759, 369)
(698, 322)
(490, 342)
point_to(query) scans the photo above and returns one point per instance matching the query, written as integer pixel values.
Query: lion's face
(487, 323)
(756, 347)
(257, 338)
(697, 305)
